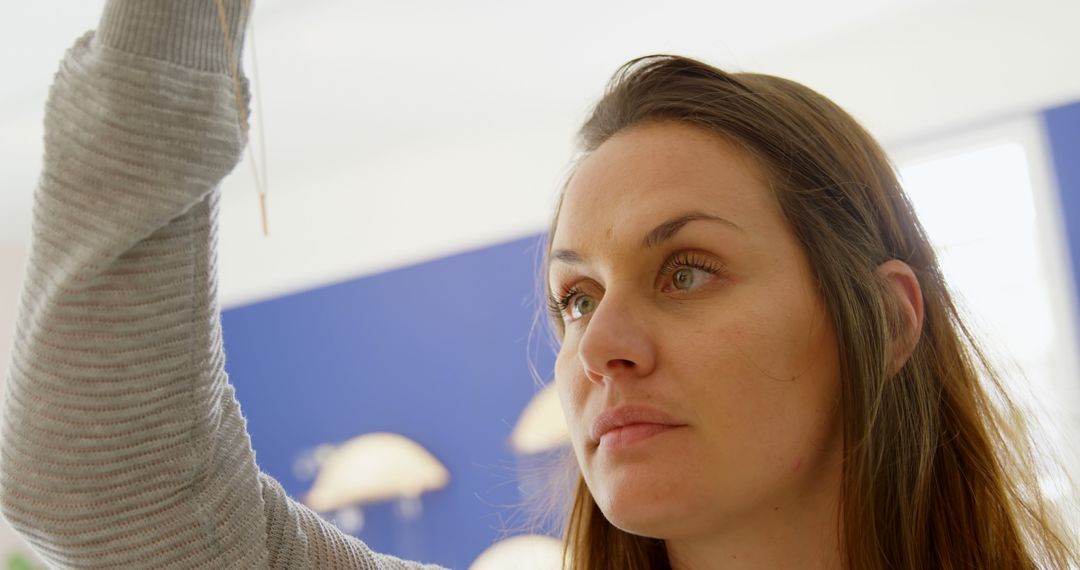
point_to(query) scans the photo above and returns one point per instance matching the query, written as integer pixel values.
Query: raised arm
(123, 443)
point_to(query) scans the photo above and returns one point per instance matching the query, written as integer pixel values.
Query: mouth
(626, 436)
(628, 425)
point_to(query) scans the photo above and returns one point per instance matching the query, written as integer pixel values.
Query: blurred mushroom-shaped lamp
(541, 426)
(524, 552)
(376, 467)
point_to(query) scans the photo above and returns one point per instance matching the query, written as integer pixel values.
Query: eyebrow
(655, 237)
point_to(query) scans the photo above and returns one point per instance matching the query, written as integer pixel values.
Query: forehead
(648, 173)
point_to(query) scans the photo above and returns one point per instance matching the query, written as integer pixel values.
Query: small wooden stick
(242, 111)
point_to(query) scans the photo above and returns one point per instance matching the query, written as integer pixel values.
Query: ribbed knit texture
(123, 444)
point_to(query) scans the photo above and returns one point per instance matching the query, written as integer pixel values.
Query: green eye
(683, 278)
(686, 272)
(581, 306)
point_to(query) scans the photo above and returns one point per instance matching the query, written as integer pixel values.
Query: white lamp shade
(541, 426)
(375, 467)
(524, 552)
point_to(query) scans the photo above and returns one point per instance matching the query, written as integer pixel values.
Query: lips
(640, 419)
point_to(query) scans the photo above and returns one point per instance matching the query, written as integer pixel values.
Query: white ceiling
(401, 131)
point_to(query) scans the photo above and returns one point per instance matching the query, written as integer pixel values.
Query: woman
(811, 393)
(760, 364)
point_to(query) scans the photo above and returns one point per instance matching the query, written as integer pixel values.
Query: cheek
(762, 367)
(723, 346)
(780, 336)
(571, 386)
(793, 382)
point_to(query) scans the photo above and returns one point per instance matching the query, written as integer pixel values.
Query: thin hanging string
(258, 168)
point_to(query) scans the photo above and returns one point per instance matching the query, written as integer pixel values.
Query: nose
(617, 343)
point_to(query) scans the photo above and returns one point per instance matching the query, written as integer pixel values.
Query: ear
(908, 302)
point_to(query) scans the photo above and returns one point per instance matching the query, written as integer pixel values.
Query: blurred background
(413, 151)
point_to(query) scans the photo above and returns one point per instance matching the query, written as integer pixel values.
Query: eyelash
(680, 260)
(558, 304)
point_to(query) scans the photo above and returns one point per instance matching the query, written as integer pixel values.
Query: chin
(645, 506)
(644, 520)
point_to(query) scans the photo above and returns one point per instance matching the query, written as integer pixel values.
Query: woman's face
(698, 370)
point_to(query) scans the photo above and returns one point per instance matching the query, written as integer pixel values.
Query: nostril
(621, 363)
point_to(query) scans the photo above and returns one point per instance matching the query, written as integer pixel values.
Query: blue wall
(1063, 132)
(437, 352)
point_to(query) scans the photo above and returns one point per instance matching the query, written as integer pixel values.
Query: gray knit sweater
(123, 443)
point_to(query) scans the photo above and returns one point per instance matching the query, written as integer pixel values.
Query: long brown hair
(939, 470)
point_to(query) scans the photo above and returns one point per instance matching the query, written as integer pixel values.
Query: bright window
(989, 208)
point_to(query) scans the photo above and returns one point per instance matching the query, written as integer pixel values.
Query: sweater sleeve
(123, 444)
